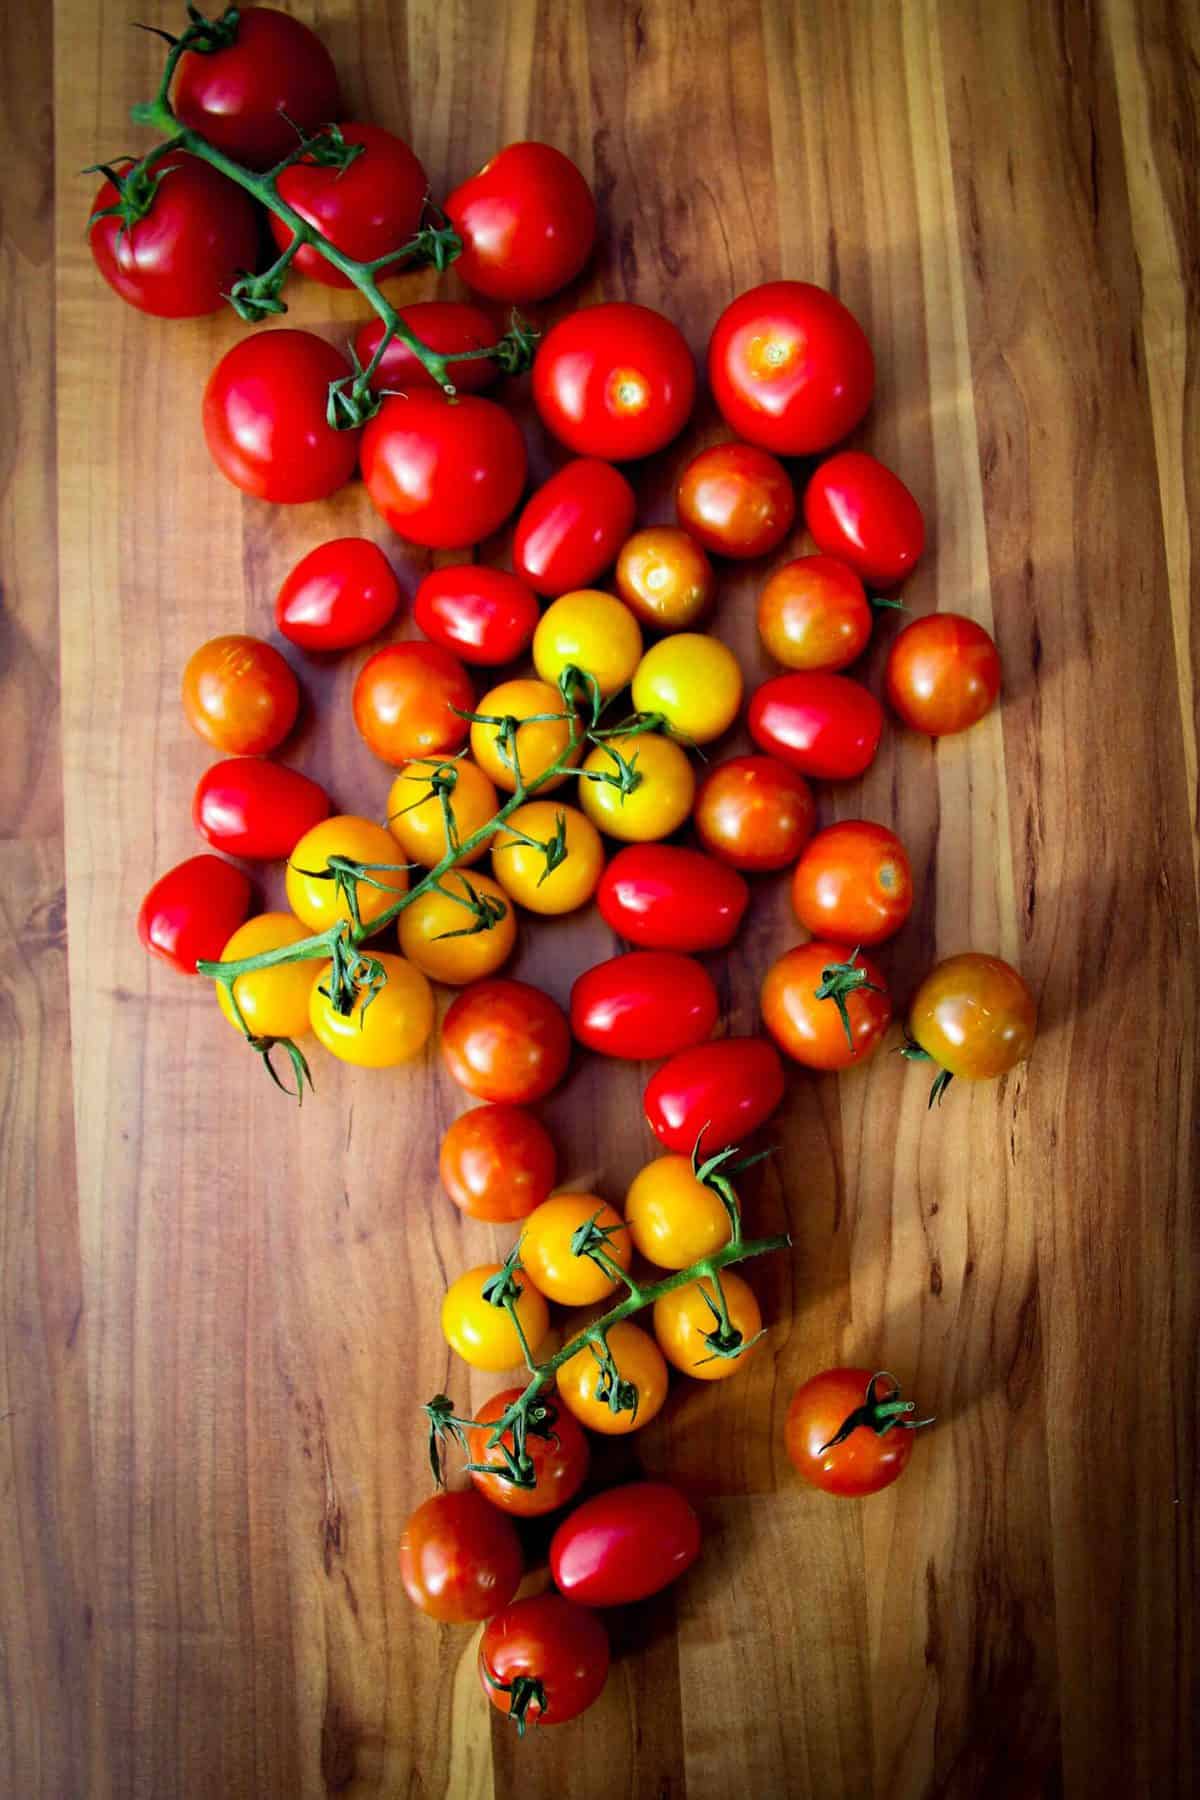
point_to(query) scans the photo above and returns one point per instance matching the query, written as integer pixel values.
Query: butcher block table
(221, 1312)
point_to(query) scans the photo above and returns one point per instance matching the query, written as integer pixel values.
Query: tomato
(592, 631)
(447, 326)
(259, 810)
(573, 526)
(847, 1431)
(483, 615)
(391, 1029)
(664, 897)
(790, 367)
(551, 1264)
(674, 1218)
(814, 614)
(240, 695)
(664, 578)
(644, 1005)
(736, 500)
(974, 1017)
(853, 884)
(661, 800)
(694, 682)
(808, 1023)
(415, 817)
(543, 1659)
(858, 510)
(539, 743)
(372, 205)
(460, 1559)
(273, 1002)
(615, 381)
(827, 726)
(521, 869)
(483, 1333)
(192, 911)
(437, 932)
(316, 899)
(265, 421)
(341, 594)
(640, 1368)
(754, 813)
(405, 700)
(555, 1445)
(505, 1040)
(687, 1318)
(943, 674)
(443, 473)
(179, 259)
(625, 1544)
(497, 1163)
(269, 78)
(715, 1094)
(527, 221)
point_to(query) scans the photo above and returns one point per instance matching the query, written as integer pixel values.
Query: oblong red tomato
(719, 1092)
(666, 897)
(486, 616)
(826, 726)
(256, 809)
(341, 594)
(625, 1544)
(644, 1005)
(443, 474)
(857, 509)
(527, 220)
(447, 326)
(571, 529)
(192, 911)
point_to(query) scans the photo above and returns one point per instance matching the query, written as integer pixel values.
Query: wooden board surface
(219, 1315)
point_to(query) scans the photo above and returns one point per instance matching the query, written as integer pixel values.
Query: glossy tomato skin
(865, 1463)
(614, 381)
(665, 579)
(974, 1016)
(644, 1005)
(505, 1040)
(625, 1544)
(483, 1333)
(460, 1559)
(447, 326)
(404, 702)
(686, 1317)
(592, 630)
(497, 1163)
(521, 870)
(558, 1271)
(443, 474)
(250, 98)
(638, 1361)
(573, 526)
(257, 810)
(414, 811)
(943, 674)
(181, 259)
(528, 222)
(736, 500)
(192, 911)
(264, 418)
(665, 897)
(827, 726)
(485, 616)
(392, 1029)
(856, 509)
(674, 1218)
(754, 813)
(548, 1640)
(316, 899)
(723, 1090)
(432, 936)
(658, 805)
(810, 1030)
(556, 1446)
(790, 367)
(539, 743)
(694, 681)
(240, 695)
(341, 594)
(853, 884)
(371, 206)
(273, 1002)
(814, 614)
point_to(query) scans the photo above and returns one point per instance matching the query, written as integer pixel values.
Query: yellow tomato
(659, 803)
(538, 744)
(639, 1361)
(548, 1259)
(674, 1219)
(684, 1318)
(521, 870)
(415, 812)
(394, 1025)
(319, 902)
(665, 578)
(425, 929)
(274, 1002)
(484, 1335)
(695, 683)
(594, 631)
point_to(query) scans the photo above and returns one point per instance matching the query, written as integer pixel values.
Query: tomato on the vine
(482, 1332)
(754, 812)
(666, 897)
(180, 257)
(656, 806)
(273, 1002)
(625, 1544)
(505, 1040)
(415, 818)
(551, 1264)
(383, 1029)
(790, 367)
(856, 509)
(554, 1443)
(694, 681)
(674, 1218)
(265, 418)
(342, 593)
(644, 1005)
(543, 1660)
(588, 630)
(973, 1016)
(571, 529)
(438, 934)
(314, 897)
(827, 726)
(266, 77)
(814, 614)
(615, 381)
(405, 701)
(801, 1009)
(664, 577)
(483, 615)
(527, 221)
(443, 473)
(460, 1559)
(497, 1163)
(848, 1431)
(640, 1366)
(450, 327)
(240, 695)
(715, 1094)
(192, 911)
(853, 883)
(370, 206)
(943, 674)
(736, 500)
(520, 867)
(539, 742)
(686, 1317)
(255, 809)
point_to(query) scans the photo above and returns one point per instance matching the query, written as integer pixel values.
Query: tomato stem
(878, 1415)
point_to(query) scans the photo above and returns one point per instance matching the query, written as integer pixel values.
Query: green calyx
(524, 1691)
(878, 1413)
(136, 185)
(840, 980)
(911, 1051)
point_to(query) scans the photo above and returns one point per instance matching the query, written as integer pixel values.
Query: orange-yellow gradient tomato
(593, 631)
(695, 683)
(393, 1027)
(673, 1218)
(274, 1002)
(549, 1261)
(665, 578)
(415, 816)
(428, 931)
(319, 902)
(521, 869)
(484, 1335)
(539, 743)
(974, 1016)
(814, 614)
(240, 694)
(639, 1361)
(685, 1317)
(659, 803)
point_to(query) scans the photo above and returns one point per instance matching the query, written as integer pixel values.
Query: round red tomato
(341, 594)
(736, 500)
(644, 1005)
(505, 1040)
(814, 614)
(825, 1008)
(180, 240)
(853, 884)
(827, 726)
(259, 810)
(497, 1163)
(527, 222)
(664, 897)
(943, 674)
(790, 367)
(443, 473)
(848, 1431)
(484, 615)
(723, 1090)
(625, 1544)
(555, 1444)
(572, 528)
(240, 695)
(266, 77)
(372, 205)
(543, 1660)
(460, 1558)
(615, 381)
(754, 813)
(447, 326)
(856, 509)
(264, 418)
(192, 911)
(404, 702)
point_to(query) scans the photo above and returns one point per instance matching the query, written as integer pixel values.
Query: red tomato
(625, 1544)
(858, 510)
(371, 206)
(736, 500)
(180, 257)
(443, 473)
(853, 884)
(754, 813)
(644, 1005)
(484, 615)
(505, 1040)
(664, 897)
(814, 614)
(723, 1090)
(259, 810)
(341, 594)
(557, 1448)
(269, 77)
(572, 528)
(192, 911)
(460, 1558)
(240, 695)
(497, 1163)
(827, 726)
(943, 674)
(615, 381)
(447, 326)
(790, 367)
(848, 1432)
(264, 418)
(543, 1659)
(404, 699)
(527, 221)
(807, 1022)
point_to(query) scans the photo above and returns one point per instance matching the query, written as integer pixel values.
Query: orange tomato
(415, 816)
(639, 1362)
(539, 743)
(853, 883)
(551, 1264)
(664, 577)
(240, 695)
(810, 1029)
(814, 614)
(687, 1316)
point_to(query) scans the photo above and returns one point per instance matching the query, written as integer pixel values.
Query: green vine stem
(881, 1412)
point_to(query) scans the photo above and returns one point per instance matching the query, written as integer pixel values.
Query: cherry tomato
(483, 1333)
(973, 1016)
(527, 221)
(268, 77)
(876, 1445)
(625, 1544)
(664, 897)
(827, 726)
(736, 500)
(695, 683)
(813, 614)
(259, 810)
(754, 813)
(591, 631)
(615, 381)
(415, 817)
(405, 699)
(555, 1445)
(460, 1559)
(505, 1040)
(573, 526)
(264, 418)
(273, 1002)
(715, 1094)
(853, 884)
(790, 367)
(392, 1029)
(520, 868)
(192, 911)
(316, 899)
(858, 510)
(240, 695)
(544, 1660)
(341, 594)
(443, 473)
(943, 674)
(447, 326)
(659, 803)
(483, 615)
(551, 1264)
(688, 1316)
(497, 1163)
(809, 1025)
(664, 577)
(437, 932)
(372, 205)
(644, 1005)
(640, 1366)
(674, 1218)
(181, 257)
(539, 743)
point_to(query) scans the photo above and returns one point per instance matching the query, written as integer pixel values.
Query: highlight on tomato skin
(973, 1017)
(669, 897)
(853, 883)
(543, 1660)
(527, 220)
(625, 1544)
(460, 1559)
(790, 367)
(191, 912)
(343, 593)
(942, 674)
